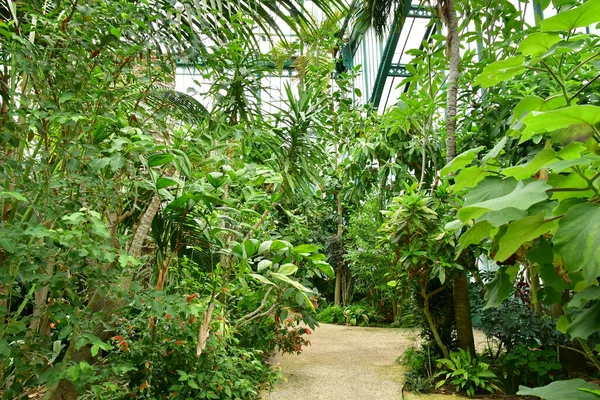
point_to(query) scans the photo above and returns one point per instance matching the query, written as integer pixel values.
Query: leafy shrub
(419, 361)
(523, 365)
(464, 372)
(417, 384)
(513, 323)
(331, 315)
(155, 357)
(353, 315)
(356, 315)
(288, 335)
(411, 317)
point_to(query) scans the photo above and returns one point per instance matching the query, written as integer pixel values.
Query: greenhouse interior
(299, 199)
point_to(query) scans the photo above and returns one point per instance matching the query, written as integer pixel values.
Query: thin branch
(269, 311)
(560, 83)
(588, 180)
(250, 316)
(438, 290)
(584, 87)
(581, 64)
(573, 349)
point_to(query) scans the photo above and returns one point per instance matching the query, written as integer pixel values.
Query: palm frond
(179, 105)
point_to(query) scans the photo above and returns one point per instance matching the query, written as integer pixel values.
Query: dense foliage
(156, 246)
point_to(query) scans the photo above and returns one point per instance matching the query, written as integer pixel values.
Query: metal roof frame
(386, 67)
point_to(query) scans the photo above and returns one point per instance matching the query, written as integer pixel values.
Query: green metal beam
(399, 70)
(269, 68)
(388, 54)
(539, 12)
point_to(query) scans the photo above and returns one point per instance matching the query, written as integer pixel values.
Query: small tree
(414, 225)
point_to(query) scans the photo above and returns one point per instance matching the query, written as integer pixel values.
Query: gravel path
(347, 363)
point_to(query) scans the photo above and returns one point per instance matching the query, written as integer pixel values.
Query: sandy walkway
(346, 363)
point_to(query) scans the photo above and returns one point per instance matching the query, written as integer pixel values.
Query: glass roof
(383, 60)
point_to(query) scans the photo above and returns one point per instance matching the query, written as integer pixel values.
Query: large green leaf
(586, 323)
(580, 299)
(162, 183)
(326, 268)
(579, 17)
(305, 248)
(572, 181)
(287, 269)
(492, 154)
(280, 246)
(469, 177)
(520, 232)
(250, 247)
(159, 159)
(538, 43)
(474, 235)
(461, 161)
(500, 71)
(262, 279)
(14, 195)
(504, 216)
(572, 151)
(542, 122)
(37, 231)
(561, 166)
(577, 240)
(573, 133)
(290, 281)
(501, 287)
(490, 188)
(265, 246)
(524, 171)
(521, 198)
(561, 390)
(264, 264)
(535, 103)
(563, 47)
(216, 179)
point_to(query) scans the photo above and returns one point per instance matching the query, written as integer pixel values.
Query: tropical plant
(466, 374)
(514, 323)
(332, 314)
(530, 366)
(541, 213)
(420, 362)
(417, 384)
(413, 224)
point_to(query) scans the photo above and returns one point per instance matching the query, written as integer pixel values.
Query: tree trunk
(346, 285)
(534, 287)
(338, 287)
(395, 313)
(41, 298)
(452, 81)
(462, 308)
(339, 275)
(462, 314)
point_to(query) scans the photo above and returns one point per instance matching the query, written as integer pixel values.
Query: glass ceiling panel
(411, 37)
(391, 93)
